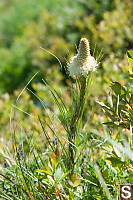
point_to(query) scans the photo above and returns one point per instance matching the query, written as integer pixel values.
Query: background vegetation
(57, 26)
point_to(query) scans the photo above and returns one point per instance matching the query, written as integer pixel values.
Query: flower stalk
(82, 66)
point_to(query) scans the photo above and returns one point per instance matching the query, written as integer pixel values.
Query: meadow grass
(80, 164)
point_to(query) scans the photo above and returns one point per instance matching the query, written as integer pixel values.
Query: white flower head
(83, 62)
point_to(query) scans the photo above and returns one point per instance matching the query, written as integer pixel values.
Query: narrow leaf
(130, 62)
(77, 182)
(64, 175)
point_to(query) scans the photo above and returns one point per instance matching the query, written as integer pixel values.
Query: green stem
(74, 122)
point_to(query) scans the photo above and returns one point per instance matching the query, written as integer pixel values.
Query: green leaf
(103, 105)
(64, 175)
(118, 89)
(40, 171)
(131, 99)
(77, 182)
(47, 168)
(131, 76)
(108, 123)
(69, 184)
(115, 160)
(116, 151)
(91, 179)
(111, 115)
(60, 104)
(58, 174)
(57, 153)
(46, 182)
(130, 62)
(73, 177)
(105, 173)
(53, 160)
(130, 54)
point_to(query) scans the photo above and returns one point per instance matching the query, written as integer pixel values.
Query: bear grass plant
(79, 164)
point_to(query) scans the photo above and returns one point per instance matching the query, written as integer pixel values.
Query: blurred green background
(57, 26)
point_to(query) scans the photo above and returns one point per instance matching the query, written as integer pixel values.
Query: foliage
(119, 107)
(35, 145)
(20, 42)
(20, 56)
(103, 159)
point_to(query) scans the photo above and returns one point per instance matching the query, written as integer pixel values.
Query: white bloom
(83, 62)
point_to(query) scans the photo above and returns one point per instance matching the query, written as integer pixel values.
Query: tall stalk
(75, 121)
(81, 66)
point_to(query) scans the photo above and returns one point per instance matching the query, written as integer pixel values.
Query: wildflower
(110, 133)
(83, 62)
(5, 164)
(55, 141)
(82, 172)
(20, 154)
